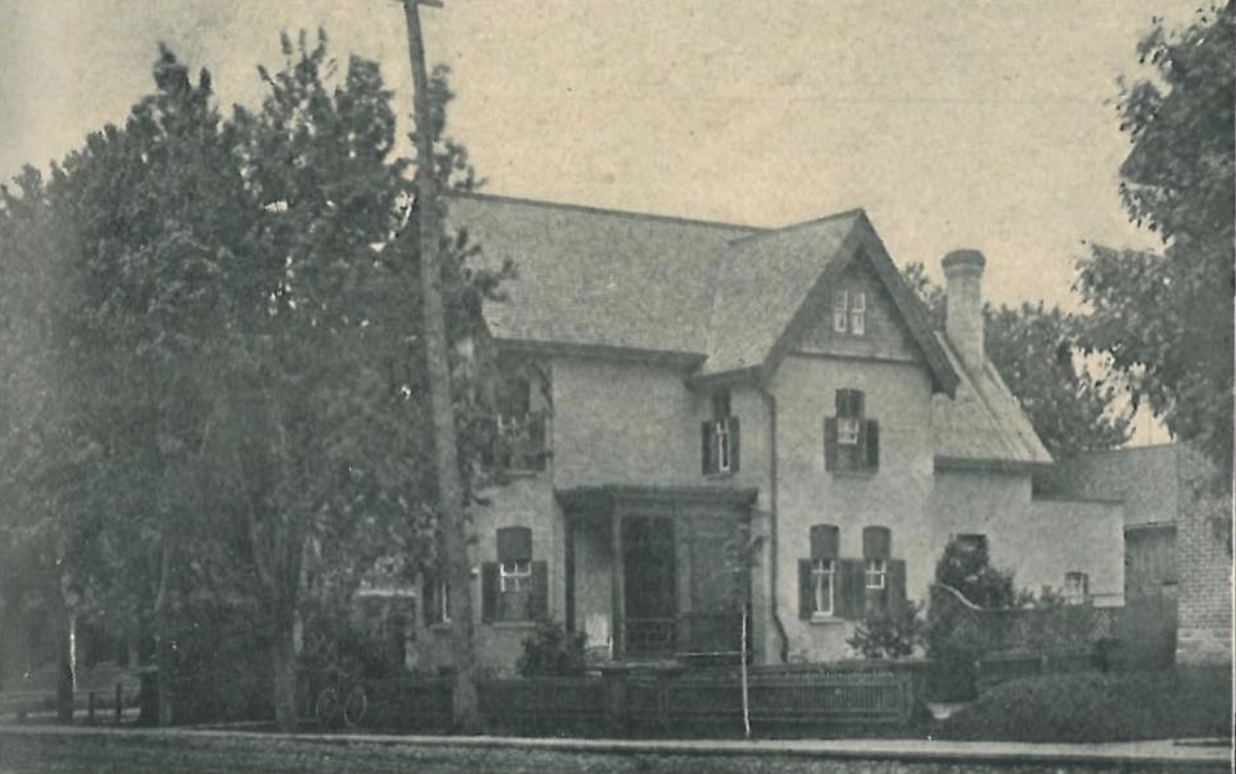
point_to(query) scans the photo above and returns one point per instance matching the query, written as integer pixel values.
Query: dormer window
(850, 312)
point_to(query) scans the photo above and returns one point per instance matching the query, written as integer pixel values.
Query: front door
(649, 586)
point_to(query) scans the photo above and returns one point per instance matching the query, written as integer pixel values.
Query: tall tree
(1033, 347)
(1166, 317)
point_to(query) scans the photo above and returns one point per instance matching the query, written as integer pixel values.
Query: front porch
(652, 573)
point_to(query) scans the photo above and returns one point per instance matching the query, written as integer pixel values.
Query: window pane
(847, 431)
(858, 322)
(822, 582)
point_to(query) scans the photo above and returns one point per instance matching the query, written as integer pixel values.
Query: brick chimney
(963, 270)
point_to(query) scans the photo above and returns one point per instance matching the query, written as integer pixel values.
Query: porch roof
(606, 496)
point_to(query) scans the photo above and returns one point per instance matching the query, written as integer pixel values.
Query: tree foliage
(1033, 347)
(1166, 317)
(217, 400)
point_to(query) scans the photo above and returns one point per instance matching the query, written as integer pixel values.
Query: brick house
(700, 386)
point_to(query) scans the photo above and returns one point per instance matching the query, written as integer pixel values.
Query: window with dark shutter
(818, 574)
(851, 439)
(515, 574)
(719, 438)
(520, 436)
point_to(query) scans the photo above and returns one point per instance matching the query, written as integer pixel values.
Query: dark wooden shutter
(853, 588)
(489, 592)
(514, 544)
(896, 585)
(734, 436)
(841, 402)
(877, 543)
(858, 452)
(538, 605)
(433, 605)
(537, 451)
(806, 590)
(830, 443)
(706, 460)
(825, 541)
(873, 445)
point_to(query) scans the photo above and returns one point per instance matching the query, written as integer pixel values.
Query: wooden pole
(446, 456)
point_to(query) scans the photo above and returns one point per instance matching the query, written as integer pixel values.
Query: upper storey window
(850, 312)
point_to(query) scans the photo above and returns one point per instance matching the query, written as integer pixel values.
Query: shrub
(967, 568)
(552, 652)
(1182, 702)
(889, 633)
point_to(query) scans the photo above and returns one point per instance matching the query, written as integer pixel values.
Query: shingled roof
(721, 297)
(983, 422)
(594, 277)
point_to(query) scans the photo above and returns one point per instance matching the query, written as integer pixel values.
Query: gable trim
(863, 240)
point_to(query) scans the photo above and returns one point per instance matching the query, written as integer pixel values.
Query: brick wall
(1204, 559)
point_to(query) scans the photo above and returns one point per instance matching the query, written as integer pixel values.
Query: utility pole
(454, 521)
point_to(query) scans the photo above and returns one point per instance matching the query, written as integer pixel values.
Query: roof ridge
(604, 211)
(853, 212)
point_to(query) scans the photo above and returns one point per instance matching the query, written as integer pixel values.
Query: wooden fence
(635, 702)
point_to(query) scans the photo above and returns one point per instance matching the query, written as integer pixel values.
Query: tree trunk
(162, 633)
(466, 712)
(64, 656)
(283, 652)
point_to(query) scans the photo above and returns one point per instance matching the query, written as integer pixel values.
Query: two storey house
(726, 417)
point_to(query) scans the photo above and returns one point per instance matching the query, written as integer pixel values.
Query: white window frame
(840, 306)
(858, 313)
(444, 604)
(721, 444)
(876, 574)
(1076, 586)
(515, 576)
(822, 569)
(848, 430)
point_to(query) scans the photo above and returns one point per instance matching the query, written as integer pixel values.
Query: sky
(954, 123)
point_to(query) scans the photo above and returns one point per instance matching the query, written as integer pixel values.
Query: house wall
(622, 423)
(1039, 539)
(898, 396)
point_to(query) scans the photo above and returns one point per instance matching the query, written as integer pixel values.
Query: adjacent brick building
(702, 391)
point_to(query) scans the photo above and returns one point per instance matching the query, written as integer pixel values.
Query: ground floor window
(877, 573)
(823, 587)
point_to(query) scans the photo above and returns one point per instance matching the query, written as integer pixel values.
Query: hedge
(1176, 703)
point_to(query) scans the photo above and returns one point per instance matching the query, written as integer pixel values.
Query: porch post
(619, 597)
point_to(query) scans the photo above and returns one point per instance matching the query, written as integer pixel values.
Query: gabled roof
(720, 298)
(983, 422)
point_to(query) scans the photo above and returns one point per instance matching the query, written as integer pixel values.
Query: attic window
(850, 312)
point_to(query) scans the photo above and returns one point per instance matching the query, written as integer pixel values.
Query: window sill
(721, 476)
(825, 620)
(858, 474)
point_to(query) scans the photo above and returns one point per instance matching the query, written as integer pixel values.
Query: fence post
(616, 681)
(90, 708)
(119, 704)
